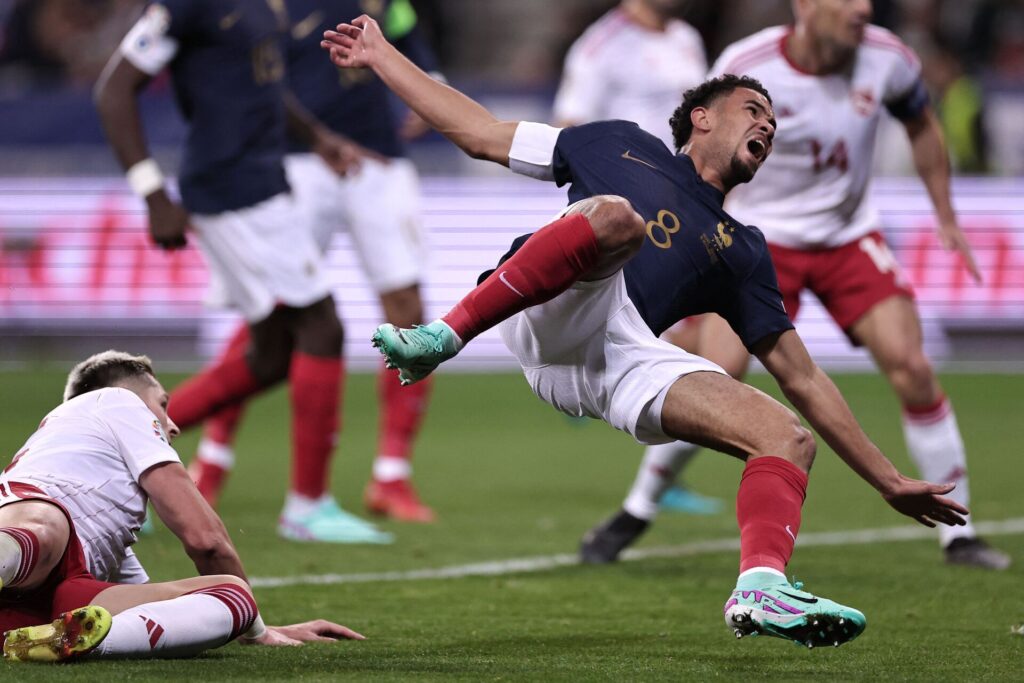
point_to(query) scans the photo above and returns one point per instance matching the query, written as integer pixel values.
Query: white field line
(544, 563)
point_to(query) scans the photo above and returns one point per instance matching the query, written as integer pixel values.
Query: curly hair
(107, 369)
(703, 96)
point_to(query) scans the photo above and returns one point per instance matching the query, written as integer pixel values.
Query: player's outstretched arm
(115, 96)
(931, 159)
(460, 119)
(186, 513)
(814, 395)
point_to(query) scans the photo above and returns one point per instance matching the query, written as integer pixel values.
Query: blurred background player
(633, 64)
(811, 203)
(71, 502)
(378, 206)
(227, 66)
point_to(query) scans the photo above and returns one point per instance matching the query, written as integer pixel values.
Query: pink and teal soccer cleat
(71, 635)
(765, 604)
(416, 351)
(328, 523)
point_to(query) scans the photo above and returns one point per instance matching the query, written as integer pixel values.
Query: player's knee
(403, 307)
(617, 225)
(802, 447)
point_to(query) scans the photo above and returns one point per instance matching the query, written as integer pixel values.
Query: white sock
(221, 455)
(934, 443)
(10, 559)
(298, 505)
(389, 468)
(658, 471)
(182, 627)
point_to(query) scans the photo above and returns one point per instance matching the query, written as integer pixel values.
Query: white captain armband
(147, 46)
(533, 150)
(145, 178)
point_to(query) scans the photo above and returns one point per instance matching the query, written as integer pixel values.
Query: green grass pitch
(511, 478)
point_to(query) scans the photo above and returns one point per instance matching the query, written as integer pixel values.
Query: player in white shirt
(634, 63)
(831, 75)
(71, 502)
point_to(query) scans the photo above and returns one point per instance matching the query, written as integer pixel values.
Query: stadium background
(76, 272)
(509, 477)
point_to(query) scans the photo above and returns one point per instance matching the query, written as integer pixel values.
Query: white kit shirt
(620, 70)
(813, 189)
(88, 455)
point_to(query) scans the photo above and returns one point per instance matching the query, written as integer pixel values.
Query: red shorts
(69, 586)
(848, 280)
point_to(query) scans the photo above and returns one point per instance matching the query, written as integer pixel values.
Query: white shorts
(378, 206)
(588, 352)
(261, 256)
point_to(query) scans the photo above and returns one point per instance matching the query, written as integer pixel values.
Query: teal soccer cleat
(416, 351)
(328, 523)
(766, 604)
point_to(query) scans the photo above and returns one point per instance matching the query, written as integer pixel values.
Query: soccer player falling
(644, 243)
(812, 204)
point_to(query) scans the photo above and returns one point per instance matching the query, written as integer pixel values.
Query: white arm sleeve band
(147, 46)
(533, 150)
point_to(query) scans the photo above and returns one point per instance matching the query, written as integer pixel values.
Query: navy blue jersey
(696, 258)
(228, 75)
(353, 102)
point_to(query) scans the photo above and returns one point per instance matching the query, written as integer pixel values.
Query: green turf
(509, 478)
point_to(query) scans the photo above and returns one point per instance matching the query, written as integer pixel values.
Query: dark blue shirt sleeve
(183, 17)
(911, 104)
(755, 310)
(572, 159)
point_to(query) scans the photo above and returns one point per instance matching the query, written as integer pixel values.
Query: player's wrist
(256, 631)
(145, 178)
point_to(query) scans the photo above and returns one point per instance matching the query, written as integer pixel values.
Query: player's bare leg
(891, 330)
(718, 412)
(33, 536)
(592, 241)
(709, 336)
(390, 492)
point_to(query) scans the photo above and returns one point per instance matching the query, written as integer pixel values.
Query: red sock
(228, 380)
(548, 263)
(315, 386)
(222, 426)
(401, 412)
(29, 544)
(768, 504)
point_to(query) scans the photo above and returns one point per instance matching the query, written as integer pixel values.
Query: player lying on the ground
(645, 243)
(71, 502)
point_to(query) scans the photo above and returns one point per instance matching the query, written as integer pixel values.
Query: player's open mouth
(758, 148)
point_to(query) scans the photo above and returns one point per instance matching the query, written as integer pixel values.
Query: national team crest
(158, 430)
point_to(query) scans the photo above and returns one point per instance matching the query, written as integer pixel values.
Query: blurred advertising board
(75, 260)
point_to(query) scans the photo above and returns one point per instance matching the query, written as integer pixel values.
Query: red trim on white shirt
(599, 32)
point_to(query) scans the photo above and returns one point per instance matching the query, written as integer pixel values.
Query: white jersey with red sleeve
(88, 455)
(620, 70)
(813, 189)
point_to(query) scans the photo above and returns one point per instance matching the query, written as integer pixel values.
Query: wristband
(145, 178)
(257, 629)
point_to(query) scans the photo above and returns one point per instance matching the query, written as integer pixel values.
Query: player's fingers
(924, 520)
(941, 489)
(950, 504)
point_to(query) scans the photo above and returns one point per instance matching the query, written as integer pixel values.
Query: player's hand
(953, 239)
(355, 45)
(924, 502)
(342, 155)
(168, 222)
(316, 631)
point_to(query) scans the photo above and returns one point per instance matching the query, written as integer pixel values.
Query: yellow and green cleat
(71, 635)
